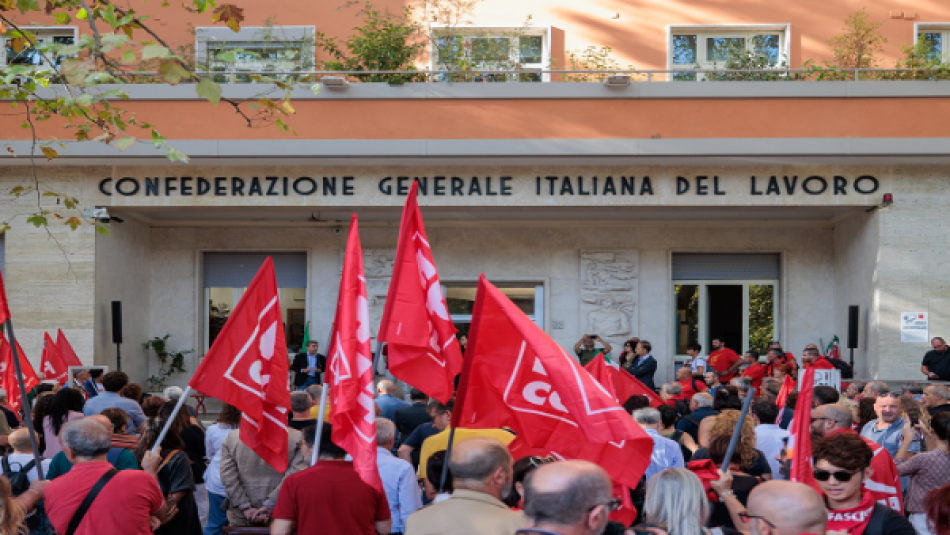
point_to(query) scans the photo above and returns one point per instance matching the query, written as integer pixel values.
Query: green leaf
(209, 89)
(154, 51)
(227, 57)
(172, 71)
(115, 39)
(5, 227)
(37, 220)
(102, 230)
(62, 18)
(27, 5)
(125, 143)
(82, 14)
(73, 222)
(49, 153)
(128, 56)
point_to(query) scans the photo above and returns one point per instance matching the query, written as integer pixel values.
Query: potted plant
(169, 362)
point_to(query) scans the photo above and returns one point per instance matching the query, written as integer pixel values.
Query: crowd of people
(881, 461)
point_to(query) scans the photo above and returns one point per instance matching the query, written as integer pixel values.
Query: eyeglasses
(894, 395)
(538, 461)
(817, 418)
(841, 475)
(612, 505)
(746, 517)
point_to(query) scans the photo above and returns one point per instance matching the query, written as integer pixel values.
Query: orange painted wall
(553, 119)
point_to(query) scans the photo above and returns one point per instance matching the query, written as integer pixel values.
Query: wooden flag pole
(171, 418)
(24, 403)
(319, 430)
(734, 441)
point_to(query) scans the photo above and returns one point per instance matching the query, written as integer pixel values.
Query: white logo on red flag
(248, 375)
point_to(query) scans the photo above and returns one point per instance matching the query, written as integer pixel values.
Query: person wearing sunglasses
(842, 464)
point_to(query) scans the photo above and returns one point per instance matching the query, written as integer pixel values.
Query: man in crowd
(912, 390)
(93, 384)
(251, 484)
(114, 382)
(307, 366)
(645, 365)
(22, 454)
(775, 357)
(672, 393)
(884, 483)
(440, 441)
(387, 402)
(399, 479)
(855, 390)
(825, 395)
(886, 429)
(586, 350)
(786, 508)
(691, 385)
(742, 384)
(80, 376)
(666, 452)
(130, 503)
(769, 437)
(842, 466)
(173, 394)
(329, 498)
(712, 381)
(568, 497)
(789, 358)
(119, 458)
(701, 406)
(482, 474)
(754, 370)
(411, 447)
(937, 399)
(874, 389)
(12, 419)
(300, 405)
(814, 359)
(697, 363)
(416, 414)
(723, 360)
(316, 392)
(936, 364)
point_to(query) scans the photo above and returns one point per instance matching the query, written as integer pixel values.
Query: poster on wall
(830, 378)
(915, 327)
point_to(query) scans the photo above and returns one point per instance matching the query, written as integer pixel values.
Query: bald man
(786, 508)
(481, 473)
(568, 498)
(120, 458)
(388, 403)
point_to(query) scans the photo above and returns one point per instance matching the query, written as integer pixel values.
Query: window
(460, 298)
(709, 47)
(524, 51)
(226, 276)
(937, 38)
(260, 49)
(16, 52)
(732, 296)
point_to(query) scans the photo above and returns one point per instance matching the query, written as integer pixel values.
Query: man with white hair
(22, 456)
(666, 452)
(937, 399)
(387, 402)
(700, 406)
(399, 479)
(174, 393)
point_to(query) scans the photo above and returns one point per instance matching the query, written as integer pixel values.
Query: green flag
(306, 335)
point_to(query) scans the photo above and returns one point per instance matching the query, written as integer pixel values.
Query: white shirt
(402, 490)
(214, 437)
(768, 439)
(19, 460)
(697, 363)
(666, 454)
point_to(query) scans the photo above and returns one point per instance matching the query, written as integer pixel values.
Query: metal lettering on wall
(609, 290)
(483, 186)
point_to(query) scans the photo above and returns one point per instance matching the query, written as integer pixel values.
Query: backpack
(682, 408)
(847, 372)
(19, 480)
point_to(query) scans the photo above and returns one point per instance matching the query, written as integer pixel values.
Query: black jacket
(408, 419)
(300, 362)
(643, 370)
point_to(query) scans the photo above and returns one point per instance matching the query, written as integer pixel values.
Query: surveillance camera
(338, 230)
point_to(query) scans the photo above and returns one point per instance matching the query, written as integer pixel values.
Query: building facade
(675, 209)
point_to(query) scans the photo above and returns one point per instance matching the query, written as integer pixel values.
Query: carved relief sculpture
(609, 291)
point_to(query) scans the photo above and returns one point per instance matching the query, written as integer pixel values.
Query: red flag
(66, 350)
(52, 363)
(8, 373)
(624, 385)
(4, 306)
(788, 386)
(799, 440)
(525, 381)
(247, 367)
(423, 350)
(349, 366)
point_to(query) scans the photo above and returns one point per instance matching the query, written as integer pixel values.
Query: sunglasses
(841, 475)
(746, 517)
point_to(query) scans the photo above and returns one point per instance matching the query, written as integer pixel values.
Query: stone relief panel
(609, 290)
(378, 267)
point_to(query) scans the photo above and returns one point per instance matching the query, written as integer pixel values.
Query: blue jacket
(643, 369)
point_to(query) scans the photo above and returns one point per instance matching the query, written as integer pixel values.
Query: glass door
(744, 313)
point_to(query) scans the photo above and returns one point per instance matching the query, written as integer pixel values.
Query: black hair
(327, 447)
(940, 423)
(418, 395)
(66, 400)
(765, 410)
(636, 402)
(668, 415)
(727, 397)
(434, 467)
(694, 347)
(826, 395)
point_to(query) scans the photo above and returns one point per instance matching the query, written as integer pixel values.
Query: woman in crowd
(133, 391)
(668, 418)
(228, 420)
(865, 413)
(151, 405)
(120, 436)
(742, 484)
(174, 478)
(67, 406)
(781, 371)
(676, 503)
(753, 461)
(629, 352)
(434, 476)
(927, 471)
(937, 504)
(726, 398)
(42, 406)
(192, 437)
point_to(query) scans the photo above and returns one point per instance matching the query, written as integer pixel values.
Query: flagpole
(738, 431)
(24, 403)
(445, 465)
(171, 418)
(319, 430)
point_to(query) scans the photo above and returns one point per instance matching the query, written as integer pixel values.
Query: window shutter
(701, 266)
(235, 270)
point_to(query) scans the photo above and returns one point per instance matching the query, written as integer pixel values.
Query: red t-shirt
(821, 364)
(721, 360)
(755, 372)
(330, 498)
(688, 389)
(123, 505)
